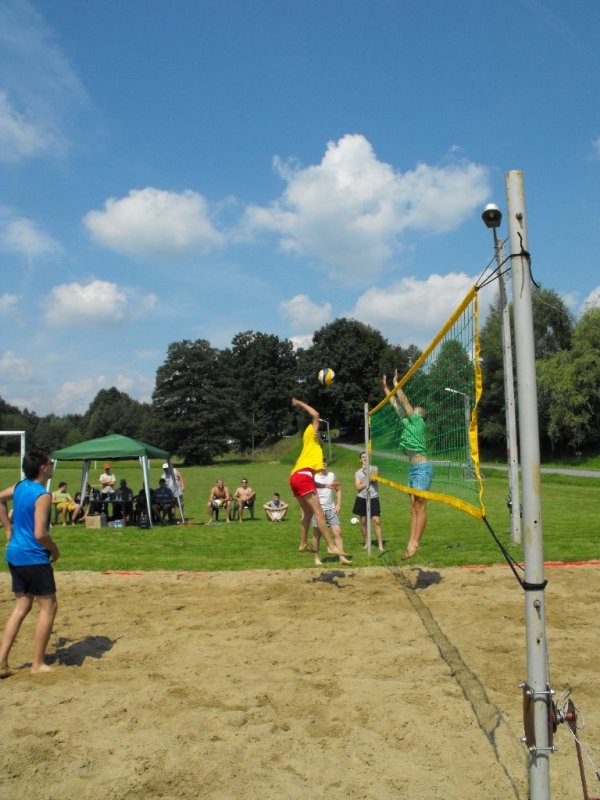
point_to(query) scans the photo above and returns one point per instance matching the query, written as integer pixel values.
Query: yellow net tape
(446, 382)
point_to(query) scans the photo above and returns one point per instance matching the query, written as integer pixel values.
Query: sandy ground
(377, 683)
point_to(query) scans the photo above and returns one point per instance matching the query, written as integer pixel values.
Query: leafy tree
(398, 358)
(569, 384)
(193, 402)
(492, 425)
(12, 419)
(354, 351)
(112, 411)
(263, 371)
(552, 323)
(52, 432)
(553, 326)
(452, 369)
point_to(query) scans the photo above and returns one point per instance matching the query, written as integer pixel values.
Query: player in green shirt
(420, 471)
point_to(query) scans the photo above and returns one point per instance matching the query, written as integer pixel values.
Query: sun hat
(165, 465)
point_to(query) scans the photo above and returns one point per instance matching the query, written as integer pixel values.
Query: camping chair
(235, 508)
(217, 508)
(57, 514)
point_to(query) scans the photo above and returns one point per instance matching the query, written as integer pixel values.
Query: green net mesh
(446, 382)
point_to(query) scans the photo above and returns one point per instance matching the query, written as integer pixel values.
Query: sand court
(374, 683)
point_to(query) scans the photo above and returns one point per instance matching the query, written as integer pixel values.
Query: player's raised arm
(309, 410)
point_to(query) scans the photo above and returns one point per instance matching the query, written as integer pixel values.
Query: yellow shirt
(311, 456)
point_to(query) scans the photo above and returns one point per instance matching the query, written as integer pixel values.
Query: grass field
(571, 522)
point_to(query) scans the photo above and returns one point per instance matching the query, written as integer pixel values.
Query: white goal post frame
(21, 434)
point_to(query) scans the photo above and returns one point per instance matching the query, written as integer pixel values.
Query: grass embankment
(570, 522)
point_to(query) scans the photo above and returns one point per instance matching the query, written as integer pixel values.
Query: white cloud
(74, 397)
(40, 88)
(570, 299)
(139, 386)
(95, 303)
(155, 224)
(411, 311)
(596, 146)
(8, 303)
(303, 341)
(14, 369)
(19, 137)
(351, 211)
(24, 237)
(592, 300)
(302, 313)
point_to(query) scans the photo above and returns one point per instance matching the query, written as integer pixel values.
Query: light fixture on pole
(492, 217)
(467, 404)
(328, 437)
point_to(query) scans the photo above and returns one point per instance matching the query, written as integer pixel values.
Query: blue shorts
(35, 579)
(420, 476)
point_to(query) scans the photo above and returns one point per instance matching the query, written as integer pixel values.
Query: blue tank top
(23, 548)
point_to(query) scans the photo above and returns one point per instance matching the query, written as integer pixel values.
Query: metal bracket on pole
(529, 698)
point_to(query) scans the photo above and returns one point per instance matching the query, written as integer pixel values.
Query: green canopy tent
(115, 447)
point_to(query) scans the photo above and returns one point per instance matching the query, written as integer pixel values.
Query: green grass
(570, 522)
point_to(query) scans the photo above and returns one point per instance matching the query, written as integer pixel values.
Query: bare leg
(316, 540)
(303, 530)
(339, 543)
(11, 629)
(378, 534)
(418, 521)
(363, 530)
(43, 629)
(309, 503)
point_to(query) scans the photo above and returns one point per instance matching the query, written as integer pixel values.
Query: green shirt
(413, 434)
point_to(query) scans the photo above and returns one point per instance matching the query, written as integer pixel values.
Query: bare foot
(303, 548)
(318, 562)
(6, 672)
(41, 668)
(344, 560)
(381, 548)
(409, 553)
(335, 551)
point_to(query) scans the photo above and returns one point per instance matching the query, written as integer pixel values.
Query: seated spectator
(218, 498)
(65, 504)
(276, 508)
(84, 505)
(96, 502)
(122, 501)
(141, 505)
(243, 497)
(164, 501)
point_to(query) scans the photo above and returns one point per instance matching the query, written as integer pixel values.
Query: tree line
(208, 401)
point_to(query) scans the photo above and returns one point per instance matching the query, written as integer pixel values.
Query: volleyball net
(446, 382)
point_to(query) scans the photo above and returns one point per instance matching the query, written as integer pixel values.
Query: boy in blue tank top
(29, 551)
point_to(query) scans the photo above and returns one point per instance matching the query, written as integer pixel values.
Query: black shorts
(35, 579)
(360, 507)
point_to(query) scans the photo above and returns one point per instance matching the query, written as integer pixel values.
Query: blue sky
(198, 168)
